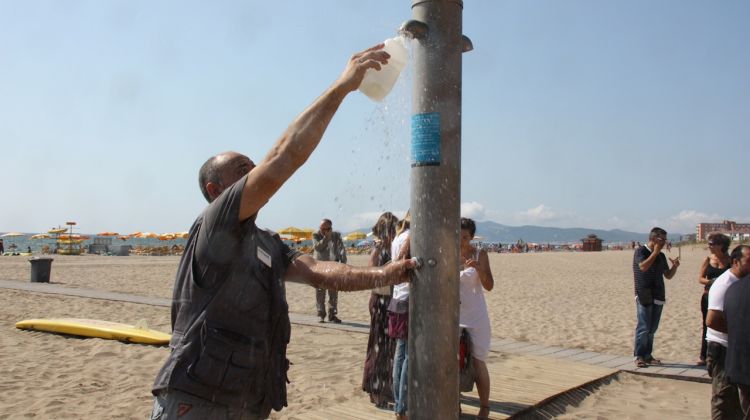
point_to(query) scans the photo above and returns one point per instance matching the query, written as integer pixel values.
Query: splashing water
(382, 154)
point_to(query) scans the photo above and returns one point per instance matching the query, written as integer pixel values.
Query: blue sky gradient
(575, 113)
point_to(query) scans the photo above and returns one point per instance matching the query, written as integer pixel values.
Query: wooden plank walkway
(518, 383)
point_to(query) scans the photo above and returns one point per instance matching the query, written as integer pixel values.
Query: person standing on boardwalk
(725, 401)
(737, 316)
(649, 270)
(230, 318)
(715, 264)
(377, 374)
(474, 279)
(398, 321)
(328, 246)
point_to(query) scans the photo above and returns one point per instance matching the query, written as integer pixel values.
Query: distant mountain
(495, 232)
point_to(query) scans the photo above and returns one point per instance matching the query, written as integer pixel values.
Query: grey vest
(229, 342)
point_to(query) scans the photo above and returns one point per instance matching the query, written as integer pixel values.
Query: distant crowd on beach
(521, 247)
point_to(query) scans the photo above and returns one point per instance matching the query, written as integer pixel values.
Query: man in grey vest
(230, 318)
(328, 246)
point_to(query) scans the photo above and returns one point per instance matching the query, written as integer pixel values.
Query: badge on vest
(264, 256)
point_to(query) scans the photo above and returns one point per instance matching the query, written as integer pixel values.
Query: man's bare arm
(336, 276)
(302, 136)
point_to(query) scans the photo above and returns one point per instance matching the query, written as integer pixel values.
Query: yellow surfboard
(96, 328)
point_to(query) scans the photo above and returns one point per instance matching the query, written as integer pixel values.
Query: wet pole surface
(435, 208)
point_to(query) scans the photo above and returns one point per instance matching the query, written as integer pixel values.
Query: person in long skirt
(376, 378)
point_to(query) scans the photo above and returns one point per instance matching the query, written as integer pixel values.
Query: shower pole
(435, 207)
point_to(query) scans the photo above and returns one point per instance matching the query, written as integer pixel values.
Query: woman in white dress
(476, 276)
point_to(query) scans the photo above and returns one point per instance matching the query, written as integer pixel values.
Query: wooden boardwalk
(519, 382)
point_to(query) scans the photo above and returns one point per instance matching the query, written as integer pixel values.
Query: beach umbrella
(41, 236)
(71, 240)
(107, 234)
(354, 236)
(73, 237)
(306, 234)
(145, 235)
(291, 230)
(297, 233)
(58, 230)
(12, 235)
(182, 235)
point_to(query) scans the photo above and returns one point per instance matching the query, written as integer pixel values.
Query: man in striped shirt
(649, 269)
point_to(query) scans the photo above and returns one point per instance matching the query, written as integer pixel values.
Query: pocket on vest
(228, 362)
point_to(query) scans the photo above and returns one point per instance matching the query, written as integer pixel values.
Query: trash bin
(124, 250)
(40, 269)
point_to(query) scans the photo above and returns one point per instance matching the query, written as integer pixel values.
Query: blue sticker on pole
(425, 139)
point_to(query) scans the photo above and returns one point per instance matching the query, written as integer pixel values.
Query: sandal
(653, 362)
(641, 363)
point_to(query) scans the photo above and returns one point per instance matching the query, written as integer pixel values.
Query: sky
(575, 113)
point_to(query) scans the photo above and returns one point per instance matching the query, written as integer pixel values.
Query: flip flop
(641, 363)
(654, 362)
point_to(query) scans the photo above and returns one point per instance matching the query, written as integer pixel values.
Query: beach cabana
(591, 243)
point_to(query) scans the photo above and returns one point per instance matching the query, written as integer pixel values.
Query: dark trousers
(333, 302)
(175, 404)
(704, 311)
(744, 391)
(725, 400)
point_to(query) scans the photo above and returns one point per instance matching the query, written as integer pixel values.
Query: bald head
(221, 171)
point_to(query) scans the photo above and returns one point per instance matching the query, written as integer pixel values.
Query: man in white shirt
(725, 403)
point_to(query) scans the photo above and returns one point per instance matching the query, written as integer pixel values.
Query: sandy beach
(574, 300)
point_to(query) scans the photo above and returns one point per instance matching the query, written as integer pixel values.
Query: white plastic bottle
(378, 83)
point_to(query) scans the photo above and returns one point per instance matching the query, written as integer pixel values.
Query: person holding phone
(650, 267)
(328, 246)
